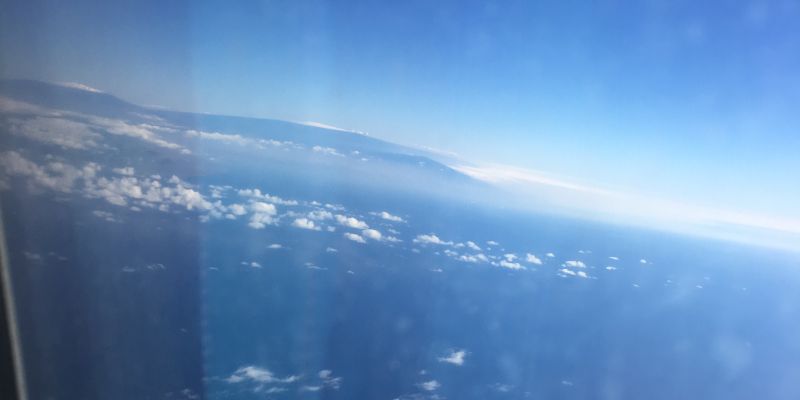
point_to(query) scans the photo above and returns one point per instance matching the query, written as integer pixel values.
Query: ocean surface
(349, 280)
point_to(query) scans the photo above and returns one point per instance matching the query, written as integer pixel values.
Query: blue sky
(677, 100)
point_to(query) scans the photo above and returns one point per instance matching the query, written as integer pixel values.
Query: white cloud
(257, 195)
(550, 255)
(480, 257)
(142, 132)
(327, 151)
(473, 246)
(263, 214)
(351, 222)
(255, 264)
(492, 243)
(510, 265)
(10, 106)
(79, 86)
(574, 264)
(371, 234)
(260, 221)
(354, 237)
(389, 217)
(610, 268)
(255, 374)
(531, 258)
(431, 239)
(613, 258)
(510, 257)
(264, 208)
(221, 137)
(643, 261)
(237, 209)
(580, 274)
(320, 215)
(429, 385)
(331, 250)
(305, 223)
(329, 127)
(127, 171)
(54, 175)
(455, 357)
(328, 380)
(275, 246)
(117, 190)
(61, 132)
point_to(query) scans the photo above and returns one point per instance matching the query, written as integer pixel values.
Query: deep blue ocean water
(381, 317)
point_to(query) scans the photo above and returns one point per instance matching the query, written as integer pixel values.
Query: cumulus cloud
(574, 264)
(220, 137)
(371, 234)
(127, 171)
(256, 374)
(256, 194)
(531, 258)
(455, 357)
(431, 239)
(473, 246)
(550, 255)
(320, 215)
(613, 258)
(492, 243)
(328, 380)
(305, 223)
(510, 265)
(263, 215)
(237, 209)
(54, 175)
(355, 237)
(60, 132)
(144, 132)
(569, 272)
(327, 151)
(117, 190)
(473, 258)
(351, 222)
(387, 216)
